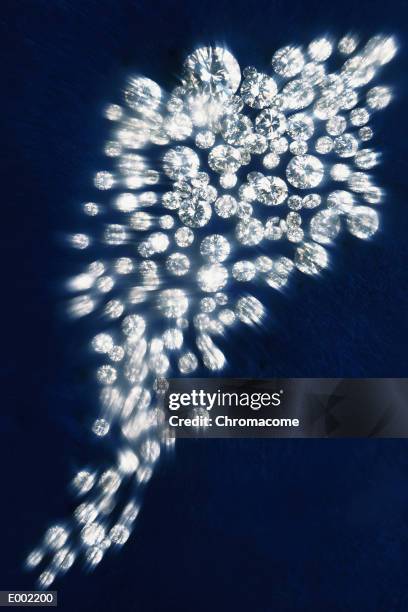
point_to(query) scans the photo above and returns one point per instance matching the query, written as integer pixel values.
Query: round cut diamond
(215, 248)
(325, 226)
(180, 162)
(288, 61)
(257, 89)
(224, 158)
(249, 232)
(362, 222)
(142, 94)
(226, 206)
(311, 258)
(243, 271)
(212, 278)
(270, 123)
(213, 71)
(195, 213)
(298, 94)
(304, 171)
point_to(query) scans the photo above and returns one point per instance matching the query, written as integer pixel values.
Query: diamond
(142, 94)
(325, 226)
(213, 71)
(187, 363)
(288, 61)
(212, 277)
(270, 123)
(224, 159)
(215, 248)
(305, 171)
(180, 162)
(311, 258)
(178, 264)
(249, 232)
(257, 88)
(243, 271)
(195, 213)
(298, 94)
(362, 222)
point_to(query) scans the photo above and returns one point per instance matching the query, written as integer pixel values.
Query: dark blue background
(226, 525)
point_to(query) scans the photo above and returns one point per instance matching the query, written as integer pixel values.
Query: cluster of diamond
(209, 181)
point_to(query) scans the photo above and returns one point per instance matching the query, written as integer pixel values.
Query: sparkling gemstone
(257, 88)
(56, 537)
(366, 159)
(226, 206)
(298, 147)
(325, 226)
(133, 326)
(224, 159)
(235, 129)
(180, 162)
(100, 427)
(298, 94)
(243, 271)
(311, 258)
(205, 139)
(249, 232)
(304, 171)
(295, 202)
(271, 160)
(270, 123)
(215, 248)
(92, 534)
(106, 375)
(208, 304)
(91, 209)
(378, 97)
(228, 180)
(288, 61)
(320, 50)
(312, 200)
(362, 222)
(173, 303)
(142, 94)
(102, 343)
(178, 264)
(184, 237)
(83, 482)
(187, 363)
(249, 310)
(336, 125)
(340, 172)
(212, 277)
(340, 201)
(348, 44)
(213, 71)
(86, 513)
(104, 180)
(269, 190)
(119, 535)
(226, 316)
(178, 126)
(195, 213)
(346, 145)
(359, 116)
(273, 229)
(300, 126)
(324, 145)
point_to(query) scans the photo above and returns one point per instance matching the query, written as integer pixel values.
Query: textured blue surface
(268, 526)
